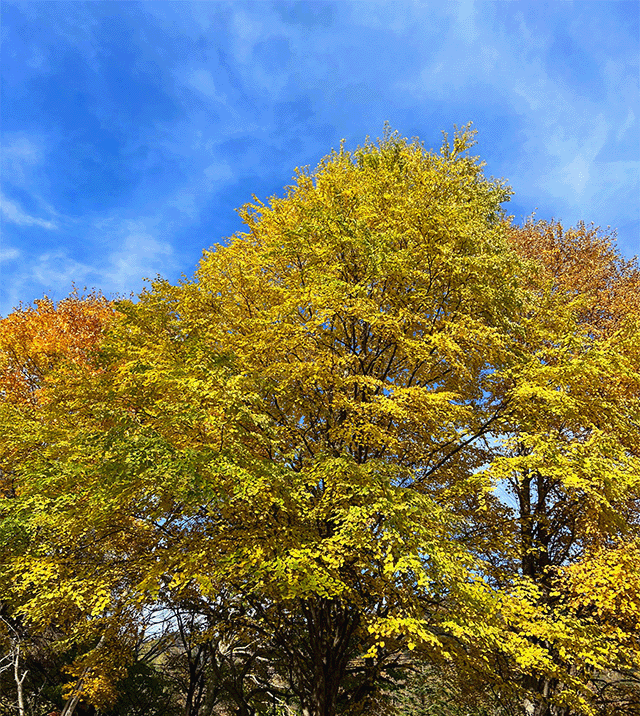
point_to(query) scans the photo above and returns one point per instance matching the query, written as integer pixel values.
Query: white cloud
(9, 254)
(137, 254)
(185, 202)
(564, 131)
(56, 269)
(190, 199)
(628, 123)
(218, 173)
(533, 93)
(576, 174)
(465, 21)
(140, 255)
(202, 80)
(38, 60)
(575, 158)
(19, 154)
(14, 214)
(249, 30)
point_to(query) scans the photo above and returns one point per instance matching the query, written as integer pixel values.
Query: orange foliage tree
(36, 342)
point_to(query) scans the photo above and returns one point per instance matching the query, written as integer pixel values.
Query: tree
(35, 342)
(364, 316)
(568, 455)
(297, 451)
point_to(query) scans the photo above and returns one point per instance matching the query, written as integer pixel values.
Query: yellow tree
(567, 453)
(365, 314)
(356, 327)
(301, 444)
(91, 492)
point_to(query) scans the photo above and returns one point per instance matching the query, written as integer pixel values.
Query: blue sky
(131, 131)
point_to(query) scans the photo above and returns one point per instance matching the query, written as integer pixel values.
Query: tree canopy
(382, 430)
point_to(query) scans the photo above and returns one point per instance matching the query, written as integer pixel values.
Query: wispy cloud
(185, 202)
(19, 155)
(573, 157)
(13, 213)
(627, 124)
(9, 254)
(139, 255)
(56, 269)
(569, 106)
(218, 173)
(202, 80)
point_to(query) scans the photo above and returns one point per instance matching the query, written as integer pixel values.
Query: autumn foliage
(34, 340)
(383, 435)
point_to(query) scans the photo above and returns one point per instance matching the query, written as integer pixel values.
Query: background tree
(35, 342)
(568, 459)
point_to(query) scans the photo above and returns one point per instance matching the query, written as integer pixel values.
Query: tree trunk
(72, 701)
(329, 626)
(19, 679)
